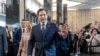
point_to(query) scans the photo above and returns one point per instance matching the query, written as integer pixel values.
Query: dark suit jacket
(9, 37)
(10, 44)
(17, 38)
(18, 35)
(65, 44)
(3, 41)
(44, 42)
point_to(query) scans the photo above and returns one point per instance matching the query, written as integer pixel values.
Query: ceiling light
(69, 3)
(41, 2)
(96, 8)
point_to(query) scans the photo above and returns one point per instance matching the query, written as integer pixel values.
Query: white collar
(45, 23)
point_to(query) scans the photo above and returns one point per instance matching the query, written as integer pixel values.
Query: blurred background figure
(54, 21)
(10, 37)
(18, 35)
(98, 26)
(65, 44)
(24, 40)
(94, 40)
(3, 42)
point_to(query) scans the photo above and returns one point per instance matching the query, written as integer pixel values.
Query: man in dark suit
(65, 43)
(44, 35)
(10, 37)
(18, 35)
(3, 42)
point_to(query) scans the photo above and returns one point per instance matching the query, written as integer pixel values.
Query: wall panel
(79, 18)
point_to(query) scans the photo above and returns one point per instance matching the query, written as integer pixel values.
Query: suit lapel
(47, 28)
(20, 32)
(39, 30)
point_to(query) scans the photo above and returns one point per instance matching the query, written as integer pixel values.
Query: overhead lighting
(72, 9)
(28, 4)
(55, 9)
(96, 7)
(53, 1)
(70, 3)
(41, 2)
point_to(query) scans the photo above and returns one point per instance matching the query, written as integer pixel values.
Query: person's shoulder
(98, 35)
(53, 24)
(69, 32)
(35, 26)
(18, 29)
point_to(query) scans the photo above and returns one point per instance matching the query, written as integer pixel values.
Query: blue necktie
(43, 27)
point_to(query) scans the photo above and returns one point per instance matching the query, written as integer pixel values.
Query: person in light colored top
(18, 34)
(94, 40)
(24, 40)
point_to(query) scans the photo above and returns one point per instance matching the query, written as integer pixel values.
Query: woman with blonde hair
(24, 40)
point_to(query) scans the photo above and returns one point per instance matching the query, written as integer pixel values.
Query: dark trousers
(16, 47)
(10, 50)
(58, 52)
(68, 53)
(43, 54)
(63, 54)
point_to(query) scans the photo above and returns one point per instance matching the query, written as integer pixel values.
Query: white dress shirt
(45, 23)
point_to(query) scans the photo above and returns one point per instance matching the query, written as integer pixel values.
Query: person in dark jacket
(3, 42)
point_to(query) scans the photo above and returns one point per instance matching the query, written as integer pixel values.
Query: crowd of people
(48, 38)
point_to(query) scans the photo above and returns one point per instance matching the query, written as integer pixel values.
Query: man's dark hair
(41, 9)
(23, 20)
(7, 26)
(61, 23)
(66, 24)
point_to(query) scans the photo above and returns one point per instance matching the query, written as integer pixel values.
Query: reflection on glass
(3, 7)
(3, 13)
(12, 13)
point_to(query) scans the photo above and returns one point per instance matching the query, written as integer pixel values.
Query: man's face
(42, 16)
(23, 24)
(9, 28)
(67, 27)
(64, 28)
(60, 27)
(94, 32)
